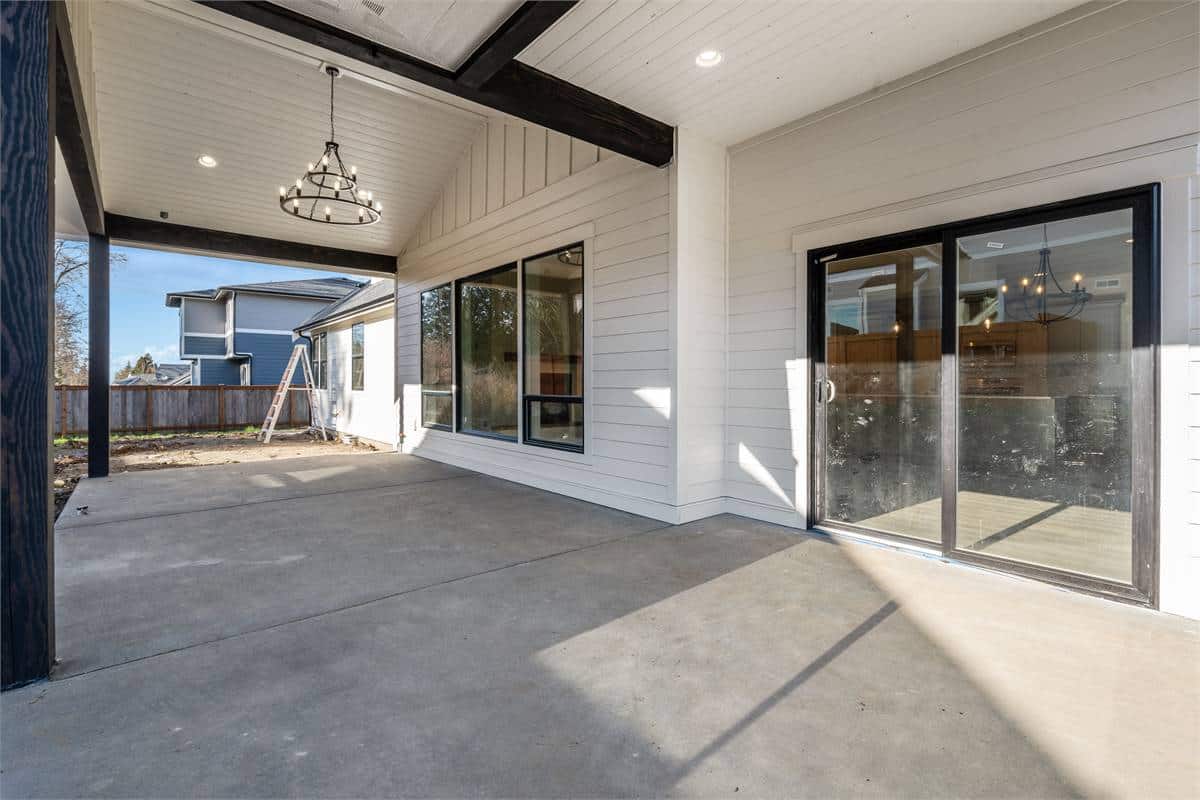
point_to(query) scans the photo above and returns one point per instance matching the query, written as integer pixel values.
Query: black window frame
(458, 384)
(527, 400)
(453, 357)
(1144, 203)
(359, 331)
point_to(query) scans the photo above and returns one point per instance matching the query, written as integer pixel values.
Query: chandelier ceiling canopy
(328, 192)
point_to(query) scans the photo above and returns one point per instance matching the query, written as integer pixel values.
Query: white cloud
(162, 354)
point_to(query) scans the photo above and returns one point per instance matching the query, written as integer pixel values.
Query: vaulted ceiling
(192, 87)
(170, 80)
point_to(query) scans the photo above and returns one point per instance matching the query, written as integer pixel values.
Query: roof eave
(343, 316)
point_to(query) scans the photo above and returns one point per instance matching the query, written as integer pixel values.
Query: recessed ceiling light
(205, 160)
(996, 245)
(709, 58)
(1129, 241)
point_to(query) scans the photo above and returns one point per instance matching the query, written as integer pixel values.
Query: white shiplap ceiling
(443, 33)
(172, 85)
(782, 60)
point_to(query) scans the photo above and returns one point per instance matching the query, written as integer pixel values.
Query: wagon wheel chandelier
(1036, 294)
(327, 192)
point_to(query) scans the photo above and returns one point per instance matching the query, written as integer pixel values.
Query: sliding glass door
(1045, 394)
(989, 386)
(879, 415)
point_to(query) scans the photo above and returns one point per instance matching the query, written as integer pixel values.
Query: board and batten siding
(1102, 97)
(506, 162)
(620, 209)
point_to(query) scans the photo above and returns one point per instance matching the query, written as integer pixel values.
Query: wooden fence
(134, 409)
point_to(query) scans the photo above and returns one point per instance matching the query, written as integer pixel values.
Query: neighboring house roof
(318, 288)
(373, 295)
(164, 375)
(175, 374)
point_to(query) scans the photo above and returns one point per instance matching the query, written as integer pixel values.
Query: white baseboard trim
(633, 505)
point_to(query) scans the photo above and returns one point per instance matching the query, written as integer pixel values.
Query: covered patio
(386, 625)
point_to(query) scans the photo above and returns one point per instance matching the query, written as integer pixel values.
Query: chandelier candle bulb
(282, 192)
(353, 170)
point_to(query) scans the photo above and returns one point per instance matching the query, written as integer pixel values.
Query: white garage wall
(620, 210)
(370, 413)
(1100, 98)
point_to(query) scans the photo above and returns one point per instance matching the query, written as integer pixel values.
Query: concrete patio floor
(386, 626)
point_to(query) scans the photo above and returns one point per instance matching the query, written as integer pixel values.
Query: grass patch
(116, 438)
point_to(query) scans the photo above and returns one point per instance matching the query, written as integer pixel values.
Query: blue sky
(140, 322)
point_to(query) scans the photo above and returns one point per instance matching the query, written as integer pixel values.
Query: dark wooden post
(27, 59)
(98, 355)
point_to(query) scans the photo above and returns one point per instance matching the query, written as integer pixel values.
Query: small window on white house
(320, 360)
(356, 357)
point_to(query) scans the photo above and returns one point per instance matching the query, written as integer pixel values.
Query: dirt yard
(166, 451)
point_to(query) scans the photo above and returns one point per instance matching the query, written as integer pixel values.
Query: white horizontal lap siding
(546, 191)
(1097, 99)
(1190, 549)
(371, 412)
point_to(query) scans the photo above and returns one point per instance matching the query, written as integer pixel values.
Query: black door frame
(1143, 202)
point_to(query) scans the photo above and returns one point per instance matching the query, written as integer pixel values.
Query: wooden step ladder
(299, 356)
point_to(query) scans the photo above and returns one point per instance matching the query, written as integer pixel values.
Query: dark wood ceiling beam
(135, 230)
(515, 88)
(73, 133)
(527, 23)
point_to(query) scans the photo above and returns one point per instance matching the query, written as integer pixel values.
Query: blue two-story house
(243, 334)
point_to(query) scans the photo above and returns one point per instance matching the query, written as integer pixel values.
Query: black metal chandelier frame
(328, 192)
(1037, 289)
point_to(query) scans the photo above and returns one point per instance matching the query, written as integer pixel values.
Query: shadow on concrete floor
(476, 638)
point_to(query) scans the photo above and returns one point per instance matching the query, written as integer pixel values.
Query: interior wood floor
(1090, 541)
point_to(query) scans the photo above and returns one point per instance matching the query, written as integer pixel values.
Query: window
(356, 357)
(487, 353)
(437, 365)
(553, 328)
(1009, 418)
(502, 352)
(320, 360)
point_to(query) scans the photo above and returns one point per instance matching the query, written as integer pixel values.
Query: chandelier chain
(328, 190)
